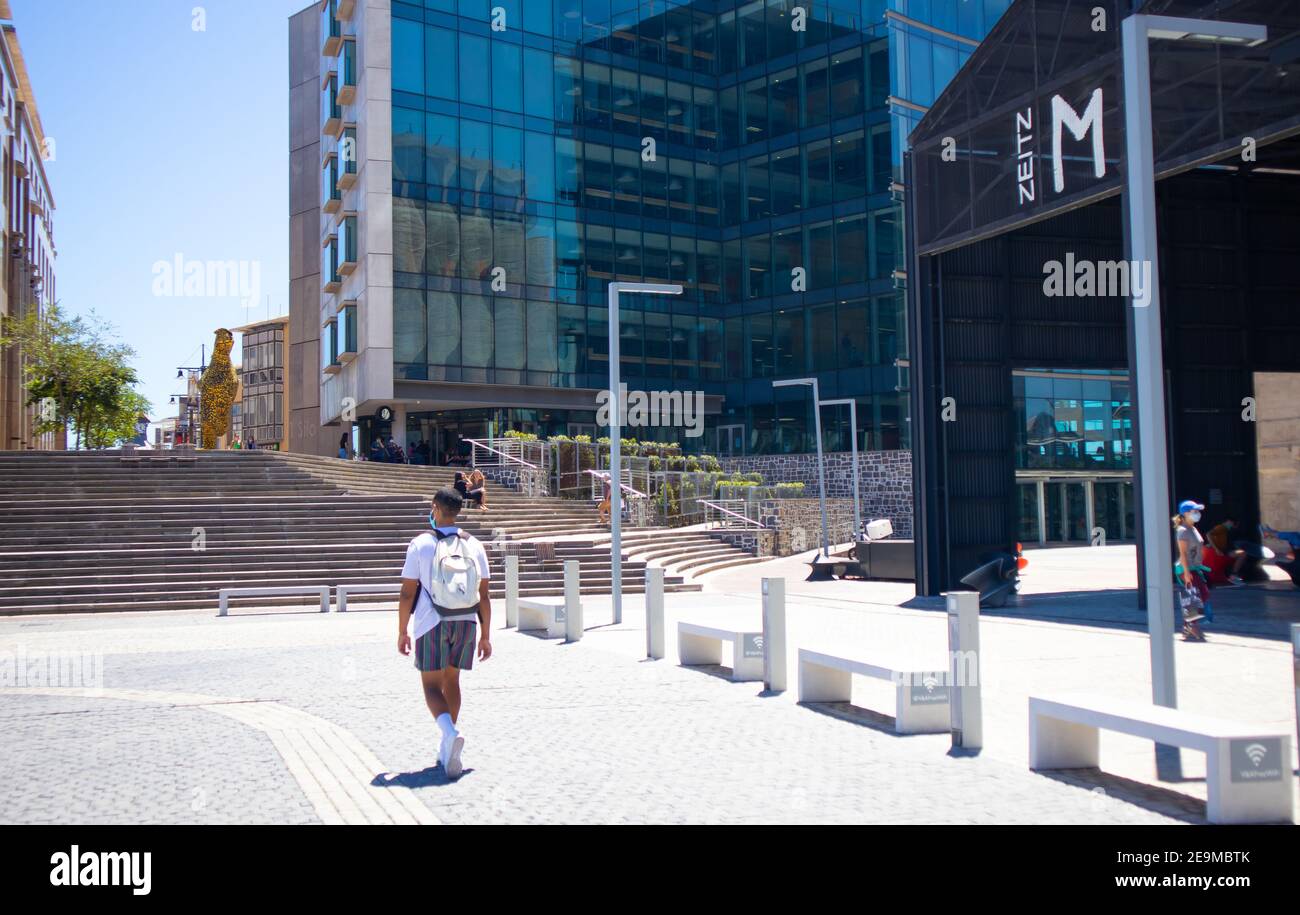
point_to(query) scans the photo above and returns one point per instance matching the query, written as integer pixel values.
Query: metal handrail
(510, 457)
(727, 511)
(621, 484)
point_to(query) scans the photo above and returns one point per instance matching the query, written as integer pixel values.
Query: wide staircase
(688, 552)
(90, 531)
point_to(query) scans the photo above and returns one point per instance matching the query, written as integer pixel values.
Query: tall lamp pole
(853, 427)
(616, 434)
(821, 464)
(1148, 368)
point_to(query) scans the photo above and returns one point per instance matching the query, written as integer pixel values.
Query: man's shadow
(432, 777)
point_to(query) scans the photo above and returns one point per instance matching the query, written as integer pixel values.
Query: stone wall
(885, 480)
(792, 526)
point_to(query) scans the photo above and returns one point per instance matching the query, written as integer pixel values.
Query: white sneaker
(452, 763)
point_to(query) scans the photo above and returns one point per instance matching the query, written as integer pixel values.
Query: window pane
(540, 242)
(786, 166)
(758, 195)
(542, 333)
(758, 267)
(475, 84)
(507, 161)
(442, 251)
(408, 326)
(408, 145)
(439, 61)
(507, 77)
(440, 145)
(817, 100)
(476, 330)
(789, 341)
(819, 173)
(508, 245)
(851, 249)
(510, 353)
(408, 236)
(476, 156)
(756, 122)
(846, 83)
(538, 84)
(475, 247)
(408, 56)
(821, 255)
(784, 112)
(853, 333)
(850, 166)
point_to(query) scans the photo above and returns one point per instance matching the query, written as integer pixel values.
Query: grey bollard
(774, 634)
(654, 613)
(965, 710)
(572, 602)
(1295, 666)
(512, 591)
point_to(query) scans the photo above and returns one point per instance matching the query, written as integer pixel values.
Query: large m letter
(1064, 116)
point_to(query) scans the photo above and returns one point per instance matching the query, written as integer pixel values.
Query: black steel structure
(1020, 163)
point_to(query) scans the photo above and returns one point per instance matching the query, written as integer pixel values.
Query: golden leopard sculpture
(217, 390)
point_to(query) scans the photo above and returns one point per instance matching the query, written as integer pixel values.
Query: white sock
(444, 723)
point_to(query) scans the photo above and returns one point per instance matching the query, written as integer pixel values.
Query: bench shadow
(1165, 801)
(540, 635)
(713, 670)
(430, 777)
(856, 714)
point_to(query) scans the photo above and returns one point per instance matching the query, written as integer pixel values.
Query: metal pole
(821, 470)
(774, 674)
(654, 612)
(1295, 666)
(616, 432)
(572, 601)
(853, 426)
(857, 503)
(1148, 370)
(615, 436)
(512, 590)
(965, 709)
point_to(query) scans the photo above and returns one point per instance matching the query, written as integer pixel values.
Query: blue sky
(167, 141)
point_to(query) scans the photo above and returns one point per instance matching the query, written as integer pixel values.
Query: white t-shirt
(419, 567)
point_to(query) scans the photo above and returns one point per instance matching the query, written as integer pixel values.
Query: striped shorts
(448, 644)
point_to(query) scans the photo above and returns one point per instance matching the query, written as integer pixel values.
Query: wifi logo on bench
(1256, 760)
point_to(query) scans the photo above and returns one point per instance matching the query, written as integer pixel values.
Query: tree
(72, 367)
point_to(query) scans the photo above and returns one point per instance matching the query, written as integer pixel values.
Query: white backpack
(455, 575)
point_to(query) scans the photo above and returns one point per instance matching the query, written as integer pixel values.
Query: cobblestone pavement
(584, 733)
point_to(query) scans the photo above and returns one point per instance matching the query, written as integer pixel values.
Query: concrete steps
(85, 531)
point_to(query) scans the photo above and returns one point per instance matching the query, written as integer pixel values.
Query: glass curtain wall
(595, 140)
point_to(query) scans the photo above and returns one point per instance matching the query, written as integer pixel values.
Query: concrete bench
(699, 644)
(186, 454)
(1248, 768)
(542, 613)
(921, 696)
(225, 594)
(341, 592)
(130, 455)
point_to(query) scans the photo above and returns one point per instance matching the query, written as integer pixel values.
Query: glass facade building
(750, 151)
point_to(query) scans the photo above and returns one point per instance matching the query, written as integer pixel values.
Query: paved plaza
(301, 717)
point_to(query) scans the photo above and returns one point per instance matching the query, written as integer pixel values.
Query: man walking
(445, 581)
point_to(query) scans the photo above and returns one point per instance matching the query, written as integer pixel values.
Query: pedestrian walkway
(582, 733)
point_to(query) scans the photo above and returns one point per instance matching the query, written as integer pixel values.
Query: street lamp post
(616, 434)
(821, 466)
(853, 428)
(1148, 357)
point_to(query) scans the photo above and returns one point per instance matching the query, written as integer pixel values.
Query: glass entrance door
(1075, 511)
(731, 439)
